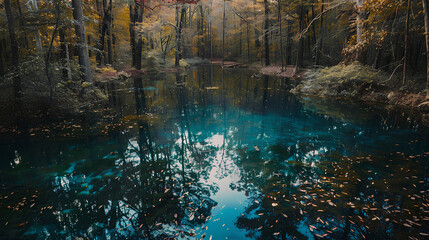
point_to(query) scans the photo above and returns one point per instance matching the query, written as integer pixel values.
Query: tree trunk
(109, 34)
(85, 67)
(240, 53)
(416, 63)
(320, 40)
(300, 57)
(179, 25)
(132, 35)
(176, 62)
(426, 12)
(223, 35)
(14, 48)
(407, 23)
(202, 33)
(248, 42)
(39, 46)
(314, 43)
(361, 17)
(138, 13)
(1, 61)
(359, 25)
(102, 29)
(21, 22)
(266, 30)
(280, 34)
(288, 45)
(66, 69)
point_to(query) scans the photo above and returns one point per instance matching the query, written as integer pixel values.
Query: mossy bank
(356, 82)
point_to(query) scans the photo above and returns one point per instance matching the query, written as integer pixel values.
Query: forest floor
(362, 83)
(43, 99)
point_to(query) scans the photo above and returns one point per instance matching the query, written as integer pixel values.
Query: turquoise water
(217, 155)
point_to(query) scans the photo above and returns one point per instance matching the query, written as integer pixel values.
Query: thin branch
(393, 73)
(318, 17)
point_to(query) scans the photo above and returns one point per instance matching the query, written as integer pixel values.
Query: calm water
(217, 156)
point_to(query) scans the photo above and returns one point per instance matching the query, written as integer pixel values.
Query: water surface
(217, 155)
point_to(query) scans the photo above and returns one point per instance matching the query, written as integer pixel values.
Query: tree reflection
(146, 188)
(332, 197)
(154, 176)
(272, 186)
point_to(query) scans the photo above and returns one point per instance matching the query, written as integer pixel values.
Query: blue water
(217, 155)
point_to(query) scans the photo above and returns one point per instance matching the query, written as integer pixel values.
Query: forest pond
(217, 154)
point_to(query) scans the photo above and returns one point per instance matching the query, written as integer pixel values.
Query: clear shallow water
(228, 157)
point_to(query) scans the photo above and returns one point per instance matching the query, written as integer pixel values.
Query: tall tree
(102, 31)
(426, 12)
(85, 67)
(360, 20)
(223, 34)
(179, 29)
(280, 33)
(33, 7)
(109, 33)
(300, 57)
(2, 65)
(14, 47)
(266, 31)
(320, 39)
(65, 55)
(407, 23)
(138, 12)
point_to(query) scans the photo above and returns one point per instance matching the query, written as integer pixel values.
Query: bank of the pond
(37, 105)
(356, 82)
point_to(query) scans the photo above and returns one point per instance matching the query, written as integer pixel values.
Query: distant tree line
(386, 34)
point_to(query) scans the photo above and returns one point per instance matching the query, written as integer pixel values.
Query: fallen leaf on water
(22, 224)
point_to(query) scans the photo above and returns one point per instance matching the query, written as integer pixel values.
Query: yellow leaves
(212, 88)
(86, 84)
